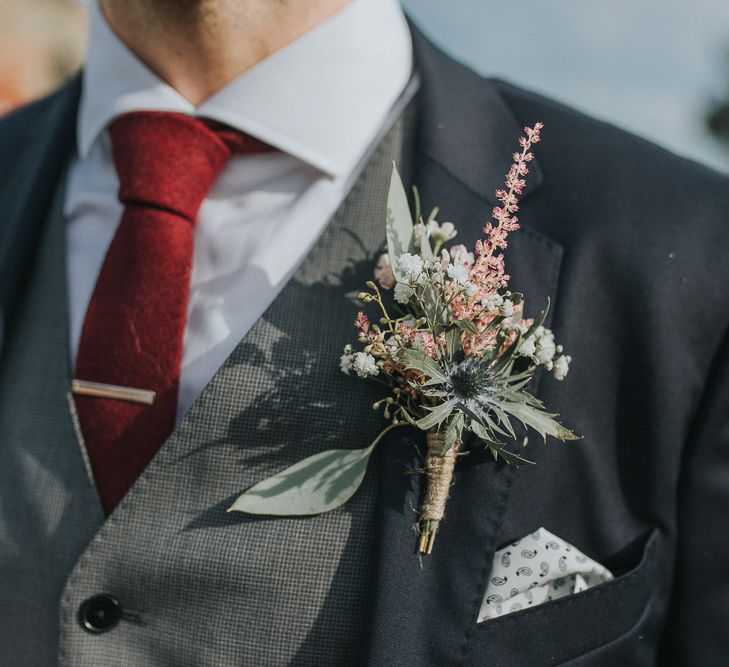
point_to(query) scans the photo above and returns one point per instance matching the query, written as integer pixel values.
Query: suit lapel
(422, 612)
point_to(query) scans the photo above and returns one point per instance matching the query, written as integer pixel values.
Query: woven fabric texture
(49, 508)
(200, 586)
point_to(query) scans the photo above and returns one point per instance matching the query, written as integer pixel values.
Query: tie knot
(170, 161)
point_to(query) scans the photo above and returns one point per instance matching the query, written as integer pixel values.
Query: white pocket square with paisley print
(537, 568)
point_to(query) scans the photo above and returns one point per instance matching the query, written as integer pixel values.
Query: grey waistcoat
(198, 586)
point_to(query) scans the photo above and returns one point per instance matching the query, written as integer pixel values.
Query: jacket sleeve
(697, 626)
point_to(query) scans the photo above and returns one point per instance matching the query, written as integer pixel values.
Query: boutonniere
(452, 349)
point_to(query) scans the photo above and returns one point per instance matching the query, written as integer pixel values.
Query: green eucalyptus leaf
(542, 422)
(314, 485)
(399, 225)
(437, 415)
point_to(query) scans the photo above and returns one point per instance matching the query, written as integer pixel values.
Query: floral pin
(453, 349)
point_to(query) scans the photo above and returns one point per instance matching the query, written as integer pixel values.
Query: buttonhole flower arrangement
(452, 348)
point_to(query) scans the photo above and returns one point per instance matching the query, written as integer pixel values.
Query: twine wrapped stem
(439, 475)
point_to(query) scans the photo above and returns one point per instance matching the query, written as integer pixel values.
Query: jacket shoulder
(626, 205)
(597, 148)
(20, 128)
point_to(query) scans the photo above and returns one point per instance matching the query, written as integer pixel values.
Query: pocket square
(535, 569)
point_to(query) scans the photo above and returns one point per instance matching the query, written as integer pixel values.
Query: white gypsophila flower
(516, 325)
(364, 364)
(345, 363)
(458, 273)
(391, 345)
(459, 255)
(528, 347)
(561, 367)
(403, 293)
(435, 265)
(493, 302)
(507, 308)
(411, 267)
(441, 233)
(470, 289)
(546, 348)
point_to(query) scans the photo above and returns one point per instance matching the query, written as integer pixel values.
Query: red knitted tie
(133, 330)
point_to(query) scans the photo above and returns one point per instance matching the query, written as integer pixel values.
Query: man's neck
(198, 46)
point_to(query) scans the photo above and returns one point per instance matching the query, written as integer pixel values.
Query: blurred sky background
(659, 68)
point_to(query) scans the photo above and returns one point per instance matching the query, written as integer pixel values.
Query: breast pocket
(556, 631)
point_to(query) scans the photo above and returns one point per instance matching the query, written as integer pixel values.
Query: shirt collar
(321, 99)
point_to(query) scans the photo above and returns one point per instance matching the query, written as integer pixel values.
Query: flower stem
(439, 465)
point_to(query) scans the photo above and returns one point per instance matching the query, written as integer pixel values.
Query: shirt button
(99, 613)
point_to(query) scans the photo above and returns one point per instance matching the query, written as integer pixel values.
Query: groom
(182, 229)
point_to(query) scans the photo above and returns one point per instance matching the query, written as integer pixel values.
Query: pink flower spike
(487, 273)
(362, 323)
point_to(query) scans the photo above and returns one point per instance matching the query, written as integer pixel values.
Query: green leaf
(503, 361)
(466, 325)
(495, 323)
(482, 431)
(502, 417)
(468, 412)
(510, 457)
(436, 416)
(539, 321)
(416, 200)
(497, 449)
(454, 431)
(419, 361)
(314, 485)
(540, 421)
(494, 426)
(426, 252)
(408, 417)
(399, 224)
(453, 342)
(433, 214)
(435, 393)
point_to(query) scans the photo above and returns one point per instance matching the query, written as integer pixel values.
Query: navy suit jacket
(632, 245)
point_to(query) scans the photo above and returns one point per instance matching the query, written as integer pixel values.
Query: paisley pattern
(535, 569)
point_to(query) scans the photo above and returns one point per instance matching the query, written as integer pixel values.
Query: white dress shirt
(323, 101)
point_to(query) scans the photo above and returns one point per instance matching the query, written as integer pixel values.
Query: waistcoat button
(99, 613)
